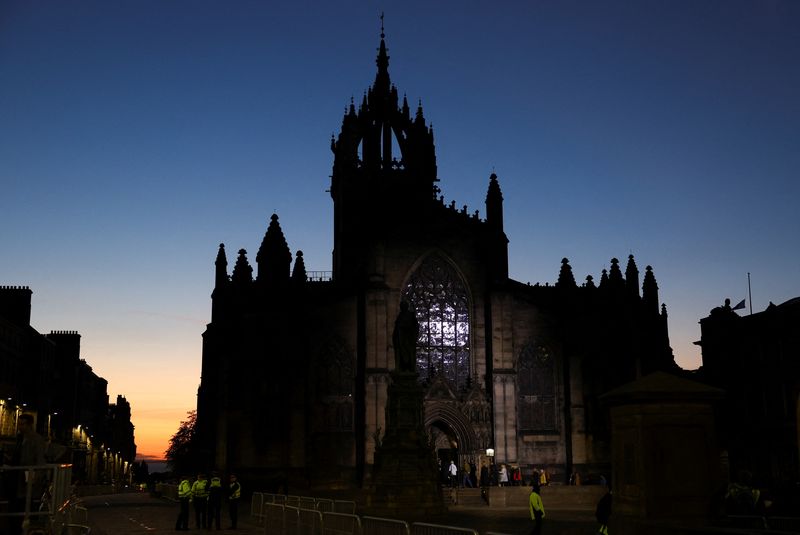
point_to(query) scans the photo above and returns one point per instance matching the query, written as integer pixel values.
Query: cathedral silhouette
(296, 365)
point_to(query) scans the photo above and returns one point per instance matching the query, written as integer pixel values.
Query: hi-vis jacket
(184, 490)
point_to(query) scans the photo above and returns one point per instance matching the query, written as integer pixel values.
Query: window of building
(439, 297)
(536, 391)
(335, 385)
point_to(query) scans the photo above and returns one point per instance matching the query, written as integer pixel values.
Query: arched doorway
(452, 435)
(445, 443)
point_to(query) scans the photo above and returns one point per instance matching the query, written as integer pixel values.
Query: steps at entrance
(553, 496)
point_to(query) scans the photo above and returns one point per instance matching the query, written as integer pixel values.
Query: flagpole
(749, 294)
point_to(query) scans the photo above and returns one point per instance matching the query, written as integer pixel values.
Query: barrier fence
(314, 518)
(49, 507)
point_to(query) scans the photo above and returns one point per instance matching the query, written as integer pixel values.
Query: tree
(182, 454)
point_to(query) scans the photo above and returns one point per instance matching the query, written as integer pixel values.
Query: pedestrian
(544, 478)
(503, 475)
(200, 499)
(453, 471)
(234, 493)
(485, 482)
(603, 512)
(466, 482)
(214, 500)
(536, 508)
(184, 497)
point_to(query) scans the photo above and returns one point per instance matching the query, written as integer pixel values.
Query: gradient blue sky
(136, 136)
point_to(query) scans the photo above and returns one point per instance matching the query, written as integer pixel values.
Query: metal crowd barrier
(273, 519)
(383, 526)
(324, 505)
(281, 519)
(309, 522)
(421, 528)
(256, 506)
(340, 524)
(48, 501)
(344, 506)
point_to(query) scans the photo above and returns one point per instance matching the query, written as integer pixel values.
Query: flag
(739, 305)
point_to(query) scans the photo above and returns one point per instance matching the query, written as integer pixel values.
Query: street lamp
(49, 415)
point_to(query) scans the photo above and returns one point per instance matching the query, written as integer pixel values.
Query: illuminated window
(536, 406)
(439, 297)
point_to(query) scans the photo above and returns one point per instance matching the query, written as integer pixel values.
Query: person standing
(485, 482)
(214, 501)
(234, 494)
(603, 512)
(200, 499)
(184, 497)
(536, 508)
(453, 471)
(503, 475)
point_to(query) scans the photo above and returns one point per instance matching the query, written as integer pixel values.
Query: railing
(371, 525)
(421, 528)
(322, 516)
(319, 276)
(340, 524)
(48, 499)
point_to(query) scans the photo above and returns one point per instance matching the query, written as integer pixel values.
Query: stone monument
(664, 454)
(405, 482)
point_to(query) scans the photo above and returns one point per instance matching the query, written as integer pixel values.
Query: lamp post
(49, 416)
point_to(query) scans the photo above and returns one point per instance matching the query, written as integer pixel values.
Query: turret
(494, 204)
(242, 272)
(273, 258)
(299, 275)
(565, 277)
(615, 281)
(632, 277)
(649, 293)
(221, 277)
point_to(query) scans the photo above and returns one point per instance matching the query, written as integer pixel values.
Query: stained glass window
(536, 407)
(439, 297)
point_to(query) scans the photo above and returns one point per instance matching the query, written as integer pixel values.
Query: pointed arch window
(439, 297)
(536, 389)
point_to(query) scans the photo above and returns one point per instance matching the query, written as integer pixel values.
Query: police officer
(200, 498)
(214, 500)
(234, 494)
(184, 497)
(536, 508)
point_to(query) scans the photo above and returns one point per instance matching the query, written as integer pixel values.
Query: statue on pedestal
(404, 338)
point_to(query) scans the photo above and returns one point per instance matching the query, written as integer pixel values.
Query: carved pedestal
(405, 475)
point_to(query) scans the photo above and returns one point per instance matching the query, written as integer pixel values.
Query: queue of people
(207, 497)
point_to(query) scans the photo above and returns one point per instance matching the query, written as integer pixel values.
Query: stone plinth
(405, 481)
(664, 453)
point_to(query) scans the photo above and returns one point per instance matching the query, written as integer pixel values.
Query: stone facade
(296, 368)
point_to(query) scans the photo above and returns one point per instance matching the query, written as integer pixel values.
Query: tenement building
(756, 360)
(44, 375)
(295, 368)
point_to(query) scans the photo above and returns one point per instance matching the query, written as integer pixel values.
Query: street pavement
(134, 513)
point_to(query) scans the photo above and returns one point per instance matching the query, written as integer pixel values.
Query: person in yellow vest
(536, 508)
(200, 499)
(184, 497)
(214, 500)
(234, 493)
